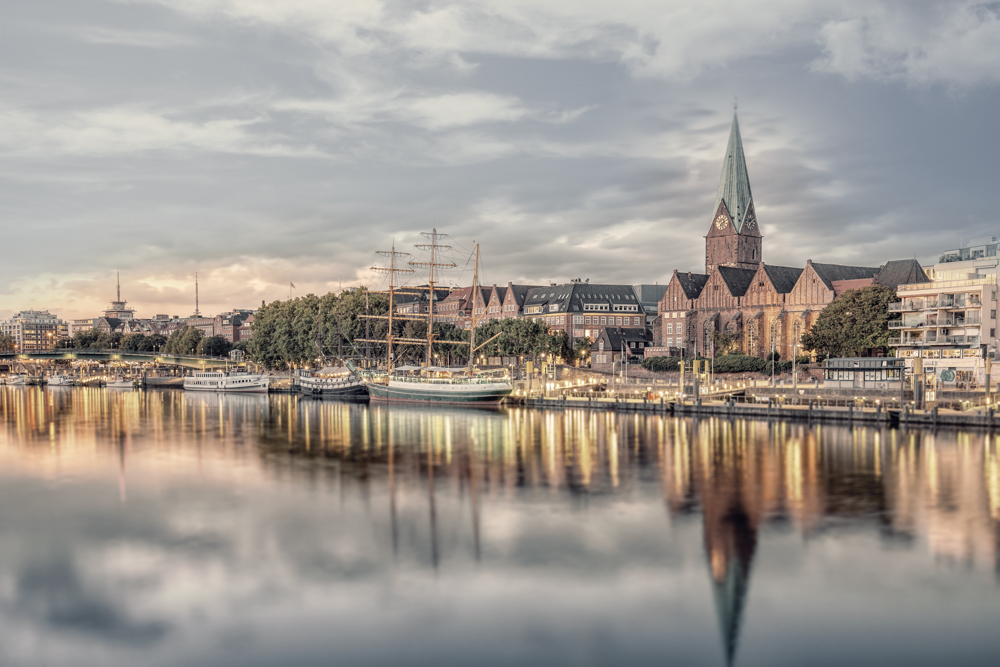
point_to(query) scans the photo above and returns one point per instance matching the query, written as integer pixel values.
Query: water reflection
(239, 521)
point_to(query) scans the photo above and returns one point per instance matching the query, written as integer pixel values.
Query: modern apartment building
(950, 324)
(35, 330)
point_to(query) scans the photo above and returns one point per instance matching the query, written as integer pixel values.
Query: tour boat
(333, 383)
(61, 380)
(18, 379)
(120, 383)
(229, 381)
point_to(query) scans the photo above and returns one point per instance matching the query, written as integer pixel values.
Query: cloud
(954, 43)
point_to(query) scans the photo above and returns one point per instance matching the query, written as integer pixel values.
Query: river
(164, 528)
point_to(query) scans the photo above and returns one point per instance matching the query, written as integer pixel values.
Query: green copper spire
(734, 184)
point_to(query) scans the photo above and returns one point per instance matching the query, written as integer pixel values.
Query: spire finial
(736, 102)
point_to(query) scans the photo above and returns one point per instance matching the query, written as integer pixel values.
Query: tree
(856, 321)
(134, 342)
(214, 346)
(7, 342)
(184, 341)
(86, 339)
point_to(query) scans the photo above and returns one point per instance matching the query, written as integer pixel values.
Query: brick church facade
(740, 301)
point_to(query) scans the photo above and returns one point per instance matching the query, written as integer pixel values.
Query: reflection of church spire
(730, 545)
(732, 504)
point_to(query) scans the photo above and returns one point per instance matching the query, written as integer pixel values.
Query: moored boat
(61, 380)
(333, 383)
(229, 381)
(18, 379)
(440, 385)
(120, 383)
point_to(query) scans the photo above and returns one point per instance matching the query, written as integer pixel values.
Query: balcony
(949, 303)
(960, 340)
(905, 305)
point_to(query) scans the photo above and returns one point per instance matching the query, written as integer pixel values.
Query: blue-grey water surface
(164, 528)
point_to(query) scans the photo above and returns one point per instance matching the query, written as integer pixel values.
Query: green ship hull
(439, 394)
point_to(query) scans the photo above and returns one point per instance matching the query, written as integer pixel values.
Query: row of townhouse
(580, 308)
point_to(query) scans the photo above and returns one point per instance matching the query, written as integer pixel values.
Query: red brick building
(740, 301)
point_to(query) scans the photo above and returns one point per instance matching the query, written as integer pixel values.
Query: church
(740, 301)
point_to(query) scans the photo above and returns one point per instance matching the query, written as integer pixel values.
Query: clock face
(721, 221)
(751, 223)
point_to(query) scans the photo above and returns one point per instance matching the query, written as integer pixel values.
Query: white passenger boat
(234, 381)
(61, 380)
(120, 383)
(18, 379)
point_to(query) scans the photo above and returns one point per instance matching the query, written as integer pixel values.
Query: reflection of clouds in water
(53, 594)
(266, 531)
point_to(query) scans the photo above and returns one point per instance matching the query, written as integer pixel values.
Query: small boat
(20, 379)
(333, 383)
(229, 381)
(120, 383)
(61, 380)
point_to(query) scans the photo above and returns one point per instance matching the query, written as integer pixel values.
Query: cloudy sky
(261, 142)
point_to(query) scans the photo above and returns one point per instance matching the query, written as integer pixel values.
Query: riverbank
(979, 418)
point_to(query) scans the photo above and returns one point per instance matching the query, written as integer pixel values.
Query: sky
(263, 143)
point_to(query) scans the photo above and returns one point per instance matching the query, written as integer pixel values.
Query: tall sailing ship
(432, 384)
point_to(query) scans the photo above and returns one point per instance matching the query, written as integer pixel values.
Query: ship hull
(439, 394)
(352, 390)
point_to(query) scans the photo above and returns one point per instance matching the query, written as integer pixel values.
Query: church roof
(692, 283)
(901, 272)
(831, 272)
(737, 280)
(782, 277)
(734, 183)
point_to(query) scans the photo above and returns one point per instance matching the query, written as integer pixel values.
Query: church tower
(733, 237)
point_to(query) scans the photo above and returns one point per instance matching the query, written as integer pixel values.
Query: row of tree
(187, 340)
(355, 325)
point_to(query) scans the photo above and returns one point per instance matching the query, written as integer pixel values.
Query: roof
(650, 293)
(734, 183)
(902, 272)
(782, 277)
(692, 283)
(841, 286)
(737, 280)
(831, 272)
(572, 296)
(615, 336)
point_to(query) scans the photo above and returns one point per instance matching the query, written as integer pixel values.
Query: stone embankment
(730, 409)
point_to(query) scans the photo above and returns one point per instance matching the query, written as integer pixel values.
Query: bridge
(186, 360)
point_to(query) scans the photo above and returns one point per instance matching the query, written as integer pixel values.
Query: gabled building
(741, 302)
(615, 343)
(513, 300)
(583, 309)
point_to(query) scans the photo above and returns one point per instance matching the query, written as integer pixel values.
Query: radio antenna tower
(197, 313)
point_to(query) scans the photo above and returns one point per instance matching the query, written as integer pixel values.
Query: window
(619, 322)
(600, 345)
(993, 314)
(578, 319)
(637, 321)
(604, 320)
(993, 333)
(670, 328)
(586, 320)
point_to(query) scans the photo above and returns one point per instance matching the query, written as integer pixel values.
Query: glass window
(604, 320)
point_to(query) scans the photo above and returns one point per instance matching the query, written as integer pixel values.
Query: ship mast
(475, 289)
(433, 246)
(392, 271)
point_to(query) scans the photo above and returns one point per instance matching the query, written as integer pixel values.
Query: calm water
(162, 528)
